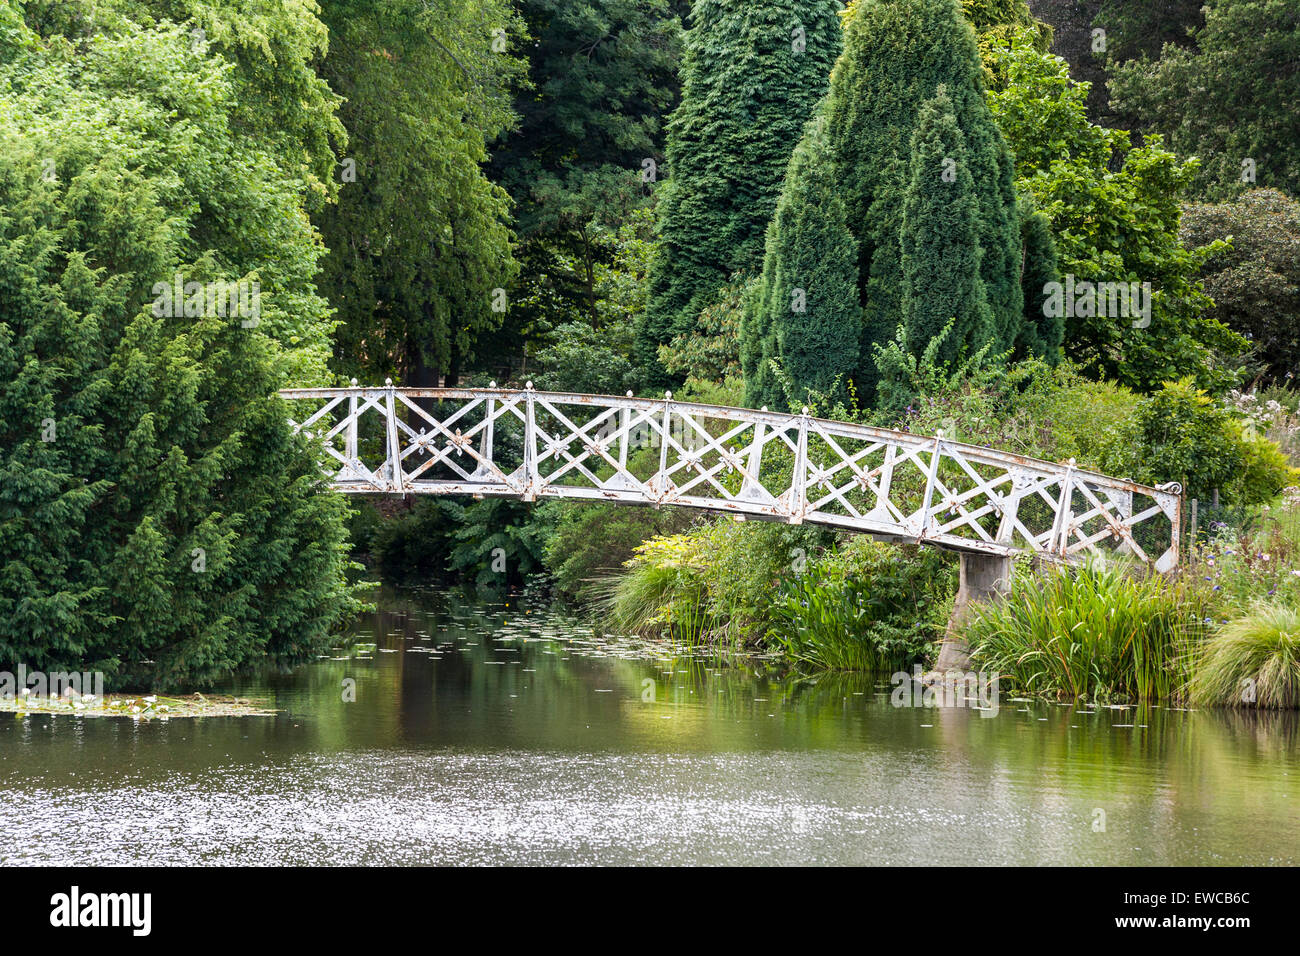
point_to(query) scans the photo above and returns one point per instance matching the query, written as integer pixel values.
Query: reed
(1096, 632)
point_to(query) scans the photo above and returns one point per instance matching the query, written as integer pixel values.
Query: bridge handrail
(955, 515)
(755, 416)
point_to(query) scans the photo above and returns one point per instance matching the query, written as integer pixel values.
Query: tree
(1143, 27)
(896, 55)
(277, 99)
(1255, 283)
(996, 22)
(1231, 101)
(1114, 213)
(751, 75)
(805, 316)
(158, 520)
(419, 243)
(602, 80)
(940, 244)
(1041, 335)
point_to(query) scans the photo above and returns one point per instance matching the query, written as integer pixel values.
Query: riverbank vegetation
(877, 212)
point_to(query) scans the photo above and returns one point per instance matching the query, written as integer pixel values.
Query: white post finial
(668, 394)
(805, 409)
(388, 381)
(492, 384)
(629, 393)
(529, 385)
(354, 383)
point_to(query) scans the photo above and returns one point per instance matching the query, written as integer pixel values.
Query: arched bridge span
(530, 444)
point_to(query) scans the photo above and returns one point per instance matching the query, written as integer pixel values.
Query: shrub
(1096, 632)
(867, 606)
(663, 589)
(405, 541)
(714, 583)
(1252, 661)
(592, 540)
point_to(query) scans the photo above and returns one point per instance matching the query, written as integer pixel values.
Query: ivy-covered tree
(752, 74)
(158, 520)
(419, 242)
(1231, 101)
(896, 55)
(803, 325)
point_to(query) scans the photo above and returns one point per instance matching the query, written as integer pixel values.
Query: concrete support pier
(984, 577)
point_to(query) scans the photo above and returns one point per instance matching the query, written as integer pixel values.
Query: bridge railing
(752, 463)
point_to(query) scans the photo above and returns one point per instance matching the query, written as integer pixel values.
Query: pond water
(498, 733)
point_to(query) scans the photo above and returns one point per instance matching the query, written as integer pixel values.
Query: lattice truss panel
(530, 444)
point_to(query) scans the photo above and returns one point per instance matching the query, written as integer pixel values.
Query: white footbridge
(771, 466)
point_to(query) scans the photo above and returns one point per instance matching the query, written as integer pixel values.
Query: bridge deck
(529, 444)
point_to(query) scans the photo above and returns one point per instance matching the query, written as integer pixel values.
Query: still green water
(493, 733)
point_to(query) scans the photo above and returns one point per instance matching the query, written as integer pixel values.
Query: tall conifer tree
(752, 74)
(940, 240)
(806, 313)
(896, 55)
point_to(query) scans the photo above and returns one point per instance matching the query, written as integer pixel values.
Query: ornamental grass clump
(1252, 661)
(1095, 632)
(663, 588)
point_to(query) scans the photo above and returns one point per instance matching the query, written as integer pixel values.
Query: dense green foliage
(418, 239)
(592, 542)
(1241, 75)
(269, 51)
(802, 323)
(713, 584)
(1255, 283)
(865, 606)
(1115, 215)
(886, 212)
(1136, 28)
(157, 519)
(751, 75)
(602, 79)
